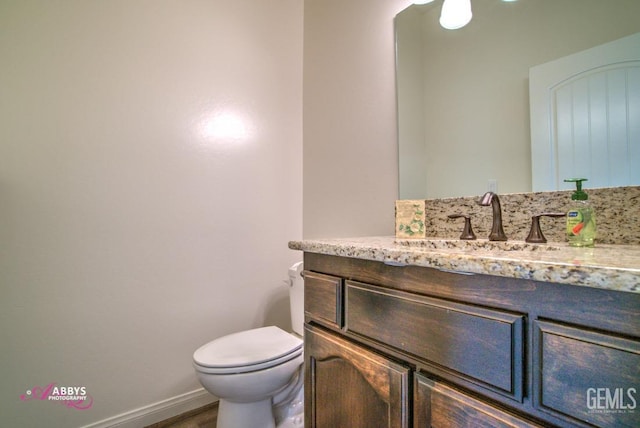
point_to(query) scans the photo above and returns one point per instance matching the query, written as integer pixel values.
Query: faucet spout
(497, 232)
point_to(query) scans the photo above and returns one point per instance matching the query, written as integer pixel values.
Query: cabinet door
(439, 406)
(586, 376)
(347, 385)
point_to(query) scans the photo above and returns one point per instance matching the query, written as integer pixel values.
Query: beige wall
(350, 136)
(132, 228)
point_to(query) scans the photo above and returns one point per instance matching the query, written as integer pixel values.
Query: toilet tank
(296, 296)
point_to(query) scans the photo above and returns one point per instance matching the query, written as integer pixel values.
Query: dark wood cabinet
(350, 386)
(323, 299)
(440, 406)
(400, 346)
(587, 375)
(448, 337)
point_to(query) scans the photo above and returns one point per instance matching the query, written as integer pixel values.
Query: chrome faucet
(497, 232)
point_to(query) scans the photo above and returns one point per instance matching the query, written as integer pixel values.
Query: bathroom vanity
(436, 334)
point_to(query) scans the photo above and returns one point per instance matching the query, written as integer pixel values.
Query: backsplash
(617, 215)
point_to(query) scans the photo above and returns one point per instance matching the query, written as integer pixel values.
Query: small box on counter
(410, 218)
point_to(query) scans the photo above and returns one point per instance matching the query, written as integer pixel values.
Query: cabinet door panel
(323, 299)
(481, 345)
(439, 406)
(349, 386)
(587, 376)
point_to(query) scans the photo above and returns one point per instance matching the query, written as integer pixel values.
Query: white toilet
(257, 374)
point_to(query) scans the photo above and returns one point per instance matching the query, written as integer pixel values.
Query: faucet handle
(535, 234)
(467, 232)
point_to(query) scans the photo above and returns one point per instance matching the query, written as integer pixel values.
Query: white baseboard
(157, 412)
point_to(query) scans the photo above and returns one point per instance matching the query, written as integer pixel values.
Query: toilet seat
(247, 351)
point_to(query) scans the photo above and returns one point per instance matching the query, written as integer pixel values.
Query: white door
(585, 117)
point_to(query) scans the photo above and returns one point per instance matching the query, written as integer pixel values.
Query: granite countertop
(612, 267)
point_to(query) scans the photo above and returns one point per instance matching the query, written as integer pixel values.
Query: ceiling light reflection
(455, 14)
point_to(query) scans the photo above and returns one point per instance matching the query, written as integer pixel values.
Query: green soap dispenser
(581, 218)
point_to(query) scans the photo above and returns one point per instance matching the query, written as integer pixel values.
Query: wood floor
(203, 417)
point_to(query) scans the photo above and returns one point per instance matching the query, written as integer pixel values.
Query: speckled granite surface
(617, 215)
(613, 267)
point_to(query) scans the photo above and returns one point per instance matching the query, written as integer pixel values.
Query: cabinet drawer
(482, 346)
(436, 405)
(323, 299)
(587, 376)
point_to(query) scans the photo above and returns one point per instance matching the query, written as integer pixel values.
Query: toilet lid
(248, 348)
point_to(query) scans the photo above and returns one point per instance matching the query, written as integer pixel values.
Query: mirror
(463, 95)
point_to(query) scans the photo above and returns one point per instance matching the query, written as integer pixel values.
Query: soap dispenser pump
(581, 218)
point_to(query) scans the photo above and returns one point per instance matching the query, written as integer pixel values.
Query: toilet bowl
(257, 374)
